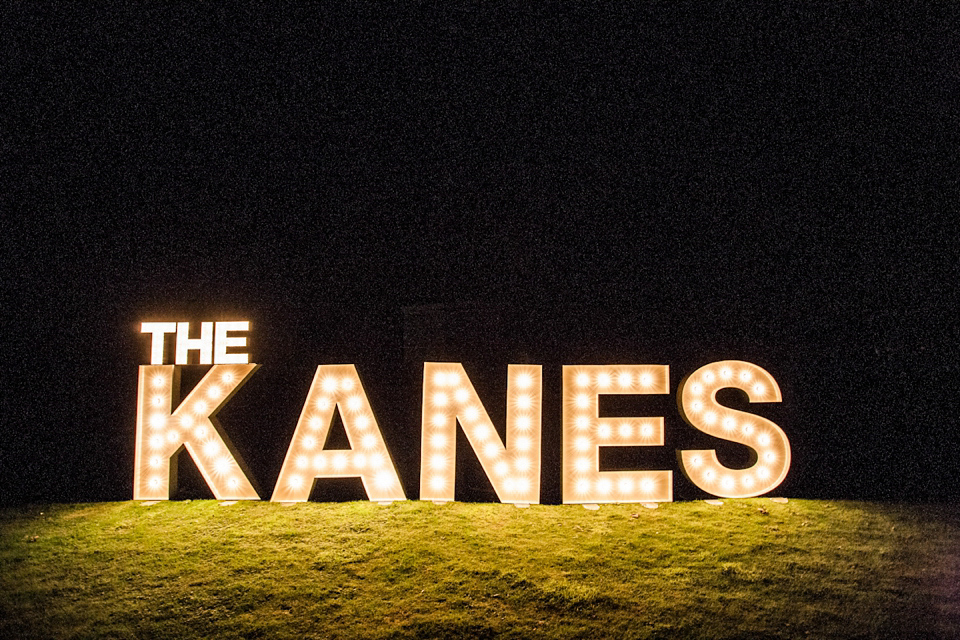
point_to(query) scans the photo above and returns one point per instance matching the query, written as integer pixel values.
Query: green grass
(747, 569)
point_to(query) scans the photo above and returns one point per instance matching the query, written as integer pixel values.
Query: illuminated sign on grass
(449, 398)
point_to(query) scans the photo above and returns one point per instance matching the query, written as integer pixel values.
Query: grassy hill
(748, 568)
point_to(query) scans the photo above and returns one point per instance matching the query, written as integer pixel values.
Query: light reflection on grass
(749, 568)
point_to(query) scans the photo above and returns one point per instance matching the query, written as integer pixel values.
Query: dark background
(486, 183)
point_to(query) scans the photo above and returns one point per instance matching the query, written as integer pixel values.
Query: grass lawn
(746, 569)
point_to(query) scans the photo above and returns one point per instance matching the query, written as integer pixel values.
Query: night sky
(489, 184)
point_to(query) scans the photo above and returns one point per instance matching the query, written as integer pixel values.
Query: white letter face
(449, 396)
(584, 432)
(337, 387)
(699, 407)
(161, 434)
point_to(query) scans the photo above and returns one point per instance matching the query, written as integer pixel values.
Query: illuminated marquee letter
(161, 434)
(203, 344)
(767, 442)
(448, 396)
(337, 387)
(584, 432)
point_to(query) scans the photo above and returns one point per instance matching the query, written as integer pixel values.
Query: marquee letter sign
(584, 432)
(337, 387)
(162, 434)
(449, 397)
(767, 442)
(512, 464)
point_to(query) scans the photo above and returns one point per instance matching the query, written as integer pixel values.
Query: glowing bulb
(696, 388)
(155, 483)
(303, 462)
(646, 379)
(603, 380)
(582, 443)
(582, 465)
(438, 419)
(745, 375)
(759, 388)
(319, 462)
(156, 442)
(156, 461)
(708, 377)
(309, 442)
(491, 450)
(438, 441)
(604, 486)
(769, 457)
(461, 395)
(346, 383)
(583, 380)
(214, 392)
(522, 485)
(157, 421)
(369, 441)
(524, 401)
(354, 403)
(763, 440)
(440, 399)
(233, 483)
(359, 460)
(709, 417)
(437, 483)
(383, 480)
(747, 429)
(295, 482)
(729, 423)
(763, 473)
(438, 462)
(315, 423)
(747, 481)
(377, 460)
(625, 485)
(200, 432)
(323, 403)
(158, 381)
(583, 485)
(582, 422)
(227, 378)
(726, 373)
(440, 379)
(624, 379)
(522, 423)
(340, 461)
(603, 431)
(583, 401)
(172, 436)
(522, 464)
(362, 421)
(186, 421)
(696, 461)
(501, 468)
(727, 482)
(524, 443)
(646, 430)
(626, 430)
(157, 401)
(329, 384)
(647, 485)
(709, 475)
(200, 407)
(471, 413)
(510, 485)
(453, 378)
(481, 432)
(524, 381)
(211, 448)
(222, 465)
(696, 406)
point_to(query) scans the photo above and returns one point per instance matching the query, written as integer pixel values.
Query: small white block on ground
(591, 507)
